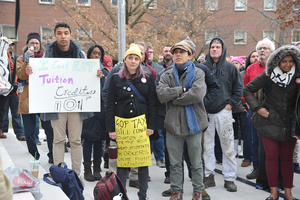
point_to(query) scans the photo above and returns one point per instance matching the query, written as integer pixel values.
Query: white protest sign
(64, 85)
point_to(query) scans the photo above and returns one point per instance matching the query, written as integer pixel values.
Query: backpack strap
(47, 180)
(136, 92)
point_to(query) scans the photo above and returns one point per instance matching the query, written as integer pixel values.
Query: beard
(167, 58)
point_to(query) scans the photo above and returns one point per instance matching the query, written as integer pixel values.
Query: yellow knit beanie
(133, 49)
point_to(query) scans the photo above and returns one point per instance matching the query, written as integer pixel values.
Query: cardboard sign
(133, 142)
(64, 85)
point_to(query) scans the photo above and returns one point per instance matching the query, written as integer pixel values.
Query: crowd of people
(202, 111)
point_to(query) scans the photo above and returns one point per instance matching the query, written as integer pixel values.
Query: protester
(220, 115)
(185, 118)
(29, 120)
(277, 123)
(127, 104)
(107, 62)
(94, 127)
(167, 57)
(64, 47)
(238, 62)
(201, 58)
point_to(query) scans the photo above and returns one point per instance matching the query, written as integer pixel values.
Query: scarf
(190, 113)
(280, 78)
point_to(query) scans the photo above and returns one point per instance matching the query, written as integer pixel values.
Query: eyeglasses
(216, 40)
(263, 48)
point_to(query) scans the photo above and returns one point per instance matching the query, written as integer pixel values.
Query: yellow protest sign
(133, 142)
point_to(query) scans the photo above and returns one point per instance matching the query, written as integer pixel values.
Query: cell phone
(31, 48)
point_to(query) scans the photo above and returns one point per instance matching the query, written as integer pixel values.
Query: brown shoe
(196, 196)
(245, 163)
(176, 195)
(2, 136)
(209, 181)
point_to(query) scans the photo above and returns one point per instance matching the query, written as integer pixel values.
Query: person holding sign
(183, 88)
(131, 94)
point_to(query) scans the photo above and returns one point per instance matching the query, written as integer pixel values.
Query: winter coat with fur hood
(281, 102)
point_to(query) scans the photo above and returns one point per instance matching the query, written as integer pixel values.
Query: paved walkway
(15, 152)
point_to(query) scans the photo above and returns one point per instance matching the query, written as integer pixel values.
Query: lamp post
(121, 29)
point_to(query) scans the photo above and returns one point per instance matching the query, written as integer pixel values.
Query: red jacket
(252, 71)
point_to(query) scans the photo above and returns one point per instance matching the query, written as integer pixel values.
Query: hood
(209, 60)
(275, 58)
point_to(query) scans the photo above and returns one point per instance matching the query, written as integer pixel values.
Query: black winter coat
(281, 102)
(123, 102)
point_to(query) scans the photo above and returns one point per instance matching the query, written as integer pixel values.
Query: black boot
(88, 171)
(97, 169)
(105, 160)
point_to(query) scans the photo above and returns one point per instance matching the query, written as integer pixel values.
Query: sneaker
(134, 184)
(296, 168)
(197, 196)
(253, 174)
(167, 180)
(245, 163)
(176, 195)
(259, 187)
(230, 186)
(209, 181)
(167, 193)
(21, 138)
(205, 195)
(160, 163)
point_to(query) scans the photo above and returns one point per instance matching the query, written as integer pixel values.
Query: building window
(153, 4)
(240, 37)
(209, 35)
(269, 5)
(84, 2)
(211, 4)
(83, 34)
(46, 34)
(240, 5)
(269, 34)
(8, 31)
(295, 36)
(114, 2)
(46, 1)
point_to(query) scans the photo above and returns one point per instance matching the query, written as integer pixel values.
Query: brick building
(240, 23)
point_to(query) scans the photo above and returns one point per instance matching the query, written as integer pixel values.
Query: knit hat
(107, 62)
(133, 49)
(190, 42)
(33, 36)
(239, 59)
(182, 45)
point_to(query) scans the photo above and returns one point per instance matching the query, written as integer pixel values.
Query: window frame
(292, 37)
(41, 32)
(269, 31)
(78, 36)
(207, 41)
(209, 7)
(244, 3)
(87, 5)
(9, 25)
(269, 9)
(245, 37)
(40, 2)
(150, 6)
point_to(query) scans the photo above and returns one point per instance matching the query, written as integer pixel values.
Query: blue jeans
(12, 102)
(29, 123)
(251, 140)
(88, 146)
(157, 146)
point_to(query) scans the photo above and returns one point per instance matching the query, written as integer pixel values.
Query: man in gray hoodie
(220, 115)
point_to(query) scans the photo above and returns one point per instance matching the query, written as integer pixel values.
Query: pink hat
(239, 59)
(107, 62)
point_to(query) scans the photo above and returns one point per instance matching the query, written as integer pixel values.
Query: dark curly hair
(89, 52)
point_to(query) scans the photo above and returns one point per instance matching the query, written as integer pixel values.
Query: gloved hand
(27, 55)
(15, 88)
